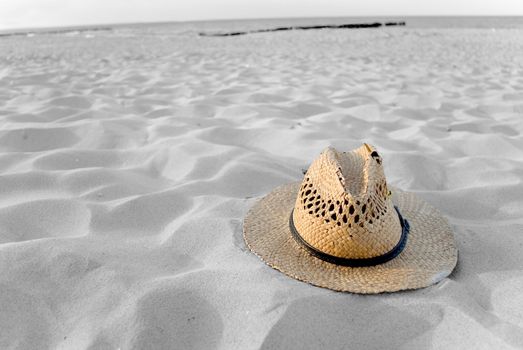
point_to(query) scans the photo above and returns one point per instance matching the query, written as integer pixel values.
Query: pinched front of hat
(343, 208)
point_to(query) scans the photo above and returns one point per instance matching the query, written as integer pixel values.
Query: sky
(55, 13)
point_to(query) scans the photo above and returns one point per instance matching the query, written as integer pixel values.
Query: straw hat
(343, 229)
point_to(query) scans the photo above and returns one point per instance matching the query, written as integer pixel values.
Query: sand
(128, 160)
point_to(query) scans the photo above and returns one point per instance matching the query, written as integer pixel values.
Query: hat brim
(429, 256)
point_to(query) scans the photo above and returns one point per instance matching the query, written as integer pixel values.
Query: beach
(130, 156)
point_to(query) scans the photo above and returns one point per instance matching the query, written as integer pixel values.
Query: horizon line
(111, 25)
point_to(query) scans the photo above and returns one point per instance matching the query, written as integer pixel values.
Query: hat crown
(343, 207)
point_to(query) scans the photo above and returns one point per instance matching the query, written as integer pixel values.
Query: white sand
(128, 163)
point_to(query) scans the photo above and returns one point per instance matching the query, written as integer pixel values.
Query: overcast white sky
(52, 13)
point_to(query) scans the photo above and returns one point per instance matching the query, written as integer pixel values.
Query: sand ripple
(127, 163)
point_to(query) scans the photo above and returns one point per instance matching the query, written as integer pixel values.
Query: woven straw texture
(343, 208)
(429, 256)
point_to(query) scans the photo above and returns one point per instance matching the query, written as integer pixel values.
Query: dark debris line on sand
(278, 29)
